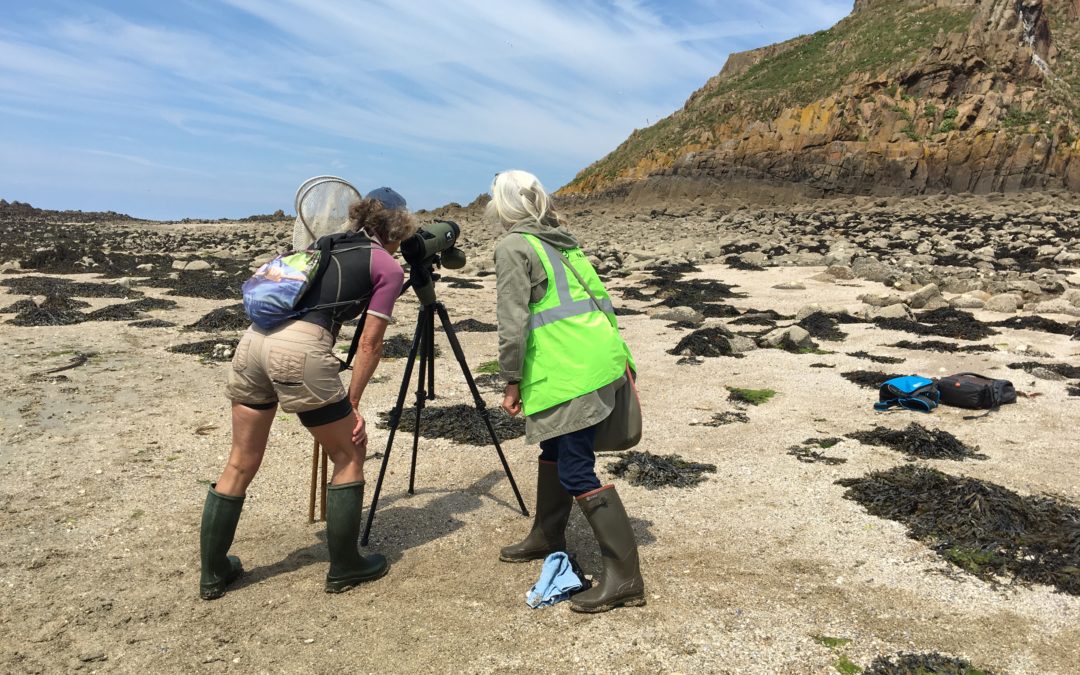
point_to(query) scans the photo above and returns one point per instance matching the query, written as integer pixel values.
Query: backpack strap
(922, 404)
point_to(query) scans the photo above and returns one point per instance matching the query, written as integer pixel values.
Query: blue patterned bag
(272, 294)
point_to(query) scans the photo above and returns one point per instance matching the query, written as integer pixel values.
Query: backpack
(978, 392)
(911, 393)
(272, 295)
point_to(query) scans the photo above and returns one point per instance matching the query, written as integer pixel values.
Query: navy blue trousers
(573, 454)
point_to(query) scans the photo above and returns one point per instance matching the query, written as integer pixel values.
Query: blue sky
(192, 108)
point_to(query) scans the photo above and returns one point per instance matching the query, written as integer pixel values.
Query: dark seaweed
(398, 346)
(737, 263)
(129, 311)
(823, 327)
(67, 288)
(712, 341)
(876, 359)
(459, 423)
(809, 456)
(940, 346)
(231, 317)
(206, 284)
(723, 419)
(651, 471)
(206, 348)
(1038, 323)
(945, 322)
(918, 442)
(473, 326)
(923, 664)
(869, 379)
(152, 323)
(1063, 369)
(981, 527)
(54, 311)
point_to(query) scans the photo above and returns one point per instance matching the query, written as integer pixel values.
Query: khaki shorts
(292, 365)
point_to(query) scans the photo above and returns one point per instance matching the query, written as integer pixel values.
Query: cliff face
(901, 97)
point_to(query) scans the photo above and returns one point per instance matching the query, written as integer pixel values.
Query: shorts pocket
(286, 367)
(240, 358)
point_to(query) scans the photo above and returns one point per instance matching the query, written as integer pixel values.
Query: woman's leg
(577, 462)
(344, 506)
(250, 431)
(348, 459)
(225, 499)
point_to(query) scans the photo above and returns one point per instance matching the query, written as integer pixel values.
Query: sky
(193, 108)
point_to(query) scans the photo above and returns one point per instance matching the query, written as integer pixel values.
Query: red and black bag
(974, 391)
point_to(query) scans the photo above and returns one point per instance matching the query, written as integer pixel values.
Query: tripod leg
(314, 480)
(395, 419)
(426, 359)
(431, 355)
(481, 407)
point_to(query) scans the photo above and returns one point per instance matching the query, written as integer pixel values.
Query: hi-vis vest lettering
(573, 348)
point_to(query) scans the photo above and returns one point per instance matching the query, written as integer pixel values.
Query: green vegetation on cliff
(806, 69)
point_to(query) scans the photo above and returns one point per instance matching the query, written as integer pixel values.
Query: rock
(10, 265)
(1056, 306)
(1047, 374)
(790, 286)
(754, 258)
(678, 314)
(741, 344)
(873, 270)
(197, 266)
(1006, 303)
(147, 267)
(790, 336)
(875, 300)
(38, 300)
(919, 299)
(967, 301)
(896, 311)
(179, 264)
(1072, 296)
(842, 272)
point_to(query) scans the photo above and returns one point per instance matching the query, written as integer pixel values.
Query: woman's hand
(359, 434)
(512, 399)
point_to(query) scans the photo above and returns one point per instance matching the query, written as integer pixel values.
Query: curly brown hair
(388, 225)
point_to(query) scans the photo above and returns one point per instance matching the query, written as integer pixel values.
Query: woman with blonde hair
(563, 360)
(293, 365)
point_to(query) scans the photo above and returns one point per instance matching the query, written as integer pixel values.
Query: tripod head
(430, 246)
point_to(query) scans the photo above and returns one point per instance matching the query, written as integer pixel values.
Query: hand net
(322, 207)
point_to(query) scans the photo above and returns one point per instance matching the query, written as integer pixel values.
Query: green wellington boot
(548, 534)
(620, 583)
(219, 518)
(344, 504)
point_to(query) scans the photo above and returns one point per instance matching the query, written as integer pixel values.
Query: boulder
(842, 272)
(1006, 303)
(1056, 306)
(197, 266)
(790, 286)
(872, 269)
(741, 344)
(967, 301)
(896, 311)
(875, 300)
(790, 337)
(920, 298)
(678, 315)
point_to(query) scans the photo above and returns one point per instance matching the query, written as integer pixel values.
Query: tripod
(422, 280)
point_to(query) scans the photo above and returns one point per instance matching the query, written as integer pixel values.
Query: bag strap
(611, 319)
(355, 345)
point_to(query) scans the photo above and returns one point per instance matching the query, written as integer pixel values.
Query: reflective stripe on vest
(567, 307)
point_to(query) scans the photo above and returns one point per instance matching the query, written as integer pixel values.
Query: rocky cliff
(901, 97)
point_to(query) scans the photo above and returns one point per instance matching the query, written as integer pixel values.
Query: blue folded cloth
(557, 581)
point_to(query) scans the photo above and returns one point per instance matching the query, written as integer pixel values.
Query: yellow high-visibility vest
(573, 346)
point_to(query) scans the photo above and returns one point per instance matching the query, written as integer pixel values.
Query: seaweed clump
(53, 311)
(129, 311)
(459, 423)
(218, 349)
(473, 326)
(918, 442)
(942, 346)
(152, 323)
(33, 285)
(891, 360)
(724, 418)
(868, 379)
(823, 327)
(805, 452)
(651, 471)
(1062, 369)
(1038, 323)
(232, 317)
(398, 347)
(742, 396)
(923, 664)
(711, 341)
(945, 322)
(982, 528)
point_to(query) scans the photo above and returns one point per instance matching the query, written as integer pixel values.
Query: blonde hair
(517, 196)
(388, 225)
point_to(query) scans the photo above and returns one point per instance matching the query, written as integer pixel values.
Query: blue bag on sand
(273, 292)
(911, 393)
(558, 579)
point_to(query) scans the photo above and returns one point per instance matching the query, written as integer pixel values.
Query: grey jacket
(520, 280)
